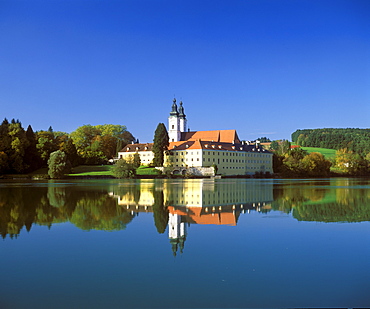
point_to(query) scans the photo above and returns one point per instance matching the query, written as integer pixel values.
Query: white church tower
(182, 117)
(176, 122)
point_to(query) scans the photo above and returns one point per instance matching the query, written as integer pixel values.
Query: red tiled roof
(223, 136)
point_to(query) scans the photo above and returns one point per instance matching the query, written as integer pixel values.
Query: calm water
(185, 244)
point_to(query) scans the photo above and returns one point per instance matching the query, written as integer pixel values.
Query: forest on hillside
(356, 140)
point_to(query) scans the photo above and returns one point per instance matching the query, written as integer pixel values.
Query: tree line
(24, 151)
(355, 140)
(297, 162)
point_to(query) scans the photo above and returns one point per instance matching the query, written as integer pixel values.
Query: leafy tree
(274, 145)
(278, 163)
(97, 144)
(351, 163)
(293, 161)
(3, 162)
(119, 147)
(136, 160)
(70, 150)
(5, 145)
(58, 164)
(124, 169)
(19, 143)
(161, 142)
(315, 164)
(283, 148)
(46, 144)
(264, 140)
(32, 157)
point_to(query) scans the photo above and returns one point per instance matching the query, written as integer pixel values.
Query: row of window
(219, 153)
(223, 160)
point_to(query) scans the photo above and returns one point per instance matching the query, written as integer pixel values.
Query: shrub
(58, 164)
(124, 169)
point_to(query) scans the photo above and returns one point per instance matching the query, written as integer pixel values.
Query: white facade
(174, 132)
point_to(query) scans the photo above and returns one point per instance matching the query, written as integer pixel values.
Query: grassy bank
(327, 153)
(92, 170)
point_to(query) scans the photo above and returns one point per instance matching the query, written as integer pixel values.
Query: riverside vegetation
(342, 152)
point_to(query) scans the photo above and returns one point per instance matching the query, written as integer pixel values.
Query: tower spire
(174, 111)
(181, 111)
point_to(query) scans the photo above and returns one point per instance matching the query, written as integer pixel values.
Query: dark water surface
(185, 243)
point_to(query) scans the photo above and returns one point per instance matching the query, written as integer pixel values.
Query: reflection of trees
(160, 212)
(18, 207)
(22, 206)
(285, 198)
(333, 212)
(100, 212)
(311, 202)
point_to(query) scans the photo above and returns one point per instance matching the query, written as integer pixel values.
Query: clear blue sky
(264, 68)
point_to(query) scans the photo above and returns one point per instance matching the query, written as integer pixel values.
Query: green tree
(264, 139)
(65, 144)
(293, 162)
(161, 143)
(46, 144)
(58, 164)
(5, 146)
(351, 163)
(136, 160)
(32, 157)
(274, 145)
(19, 143)
(124, 169)
(283, 148)
(3, 162)
(97, 144)
(315, 164)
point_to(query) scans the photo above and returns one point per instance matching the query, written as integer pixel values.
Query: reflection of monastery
(196, 151)
(199, 202)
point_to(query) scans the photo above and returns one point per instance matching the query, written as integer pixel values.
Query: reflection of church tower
(176, 122)
(176, 233)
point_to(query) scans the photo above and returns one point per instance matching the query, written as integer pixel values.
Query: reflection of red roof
(199, 216)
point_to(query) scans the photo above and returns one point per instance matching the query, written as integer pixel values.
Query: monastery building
(197, 150)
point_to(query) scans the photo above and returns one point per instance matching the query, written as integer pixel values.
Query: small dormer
(206, 145)
(219, 146)
(213, 146)
(233, 147)
(146, 148)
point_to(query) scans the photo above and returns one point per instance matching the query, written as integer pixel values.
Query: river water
(227, 243)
